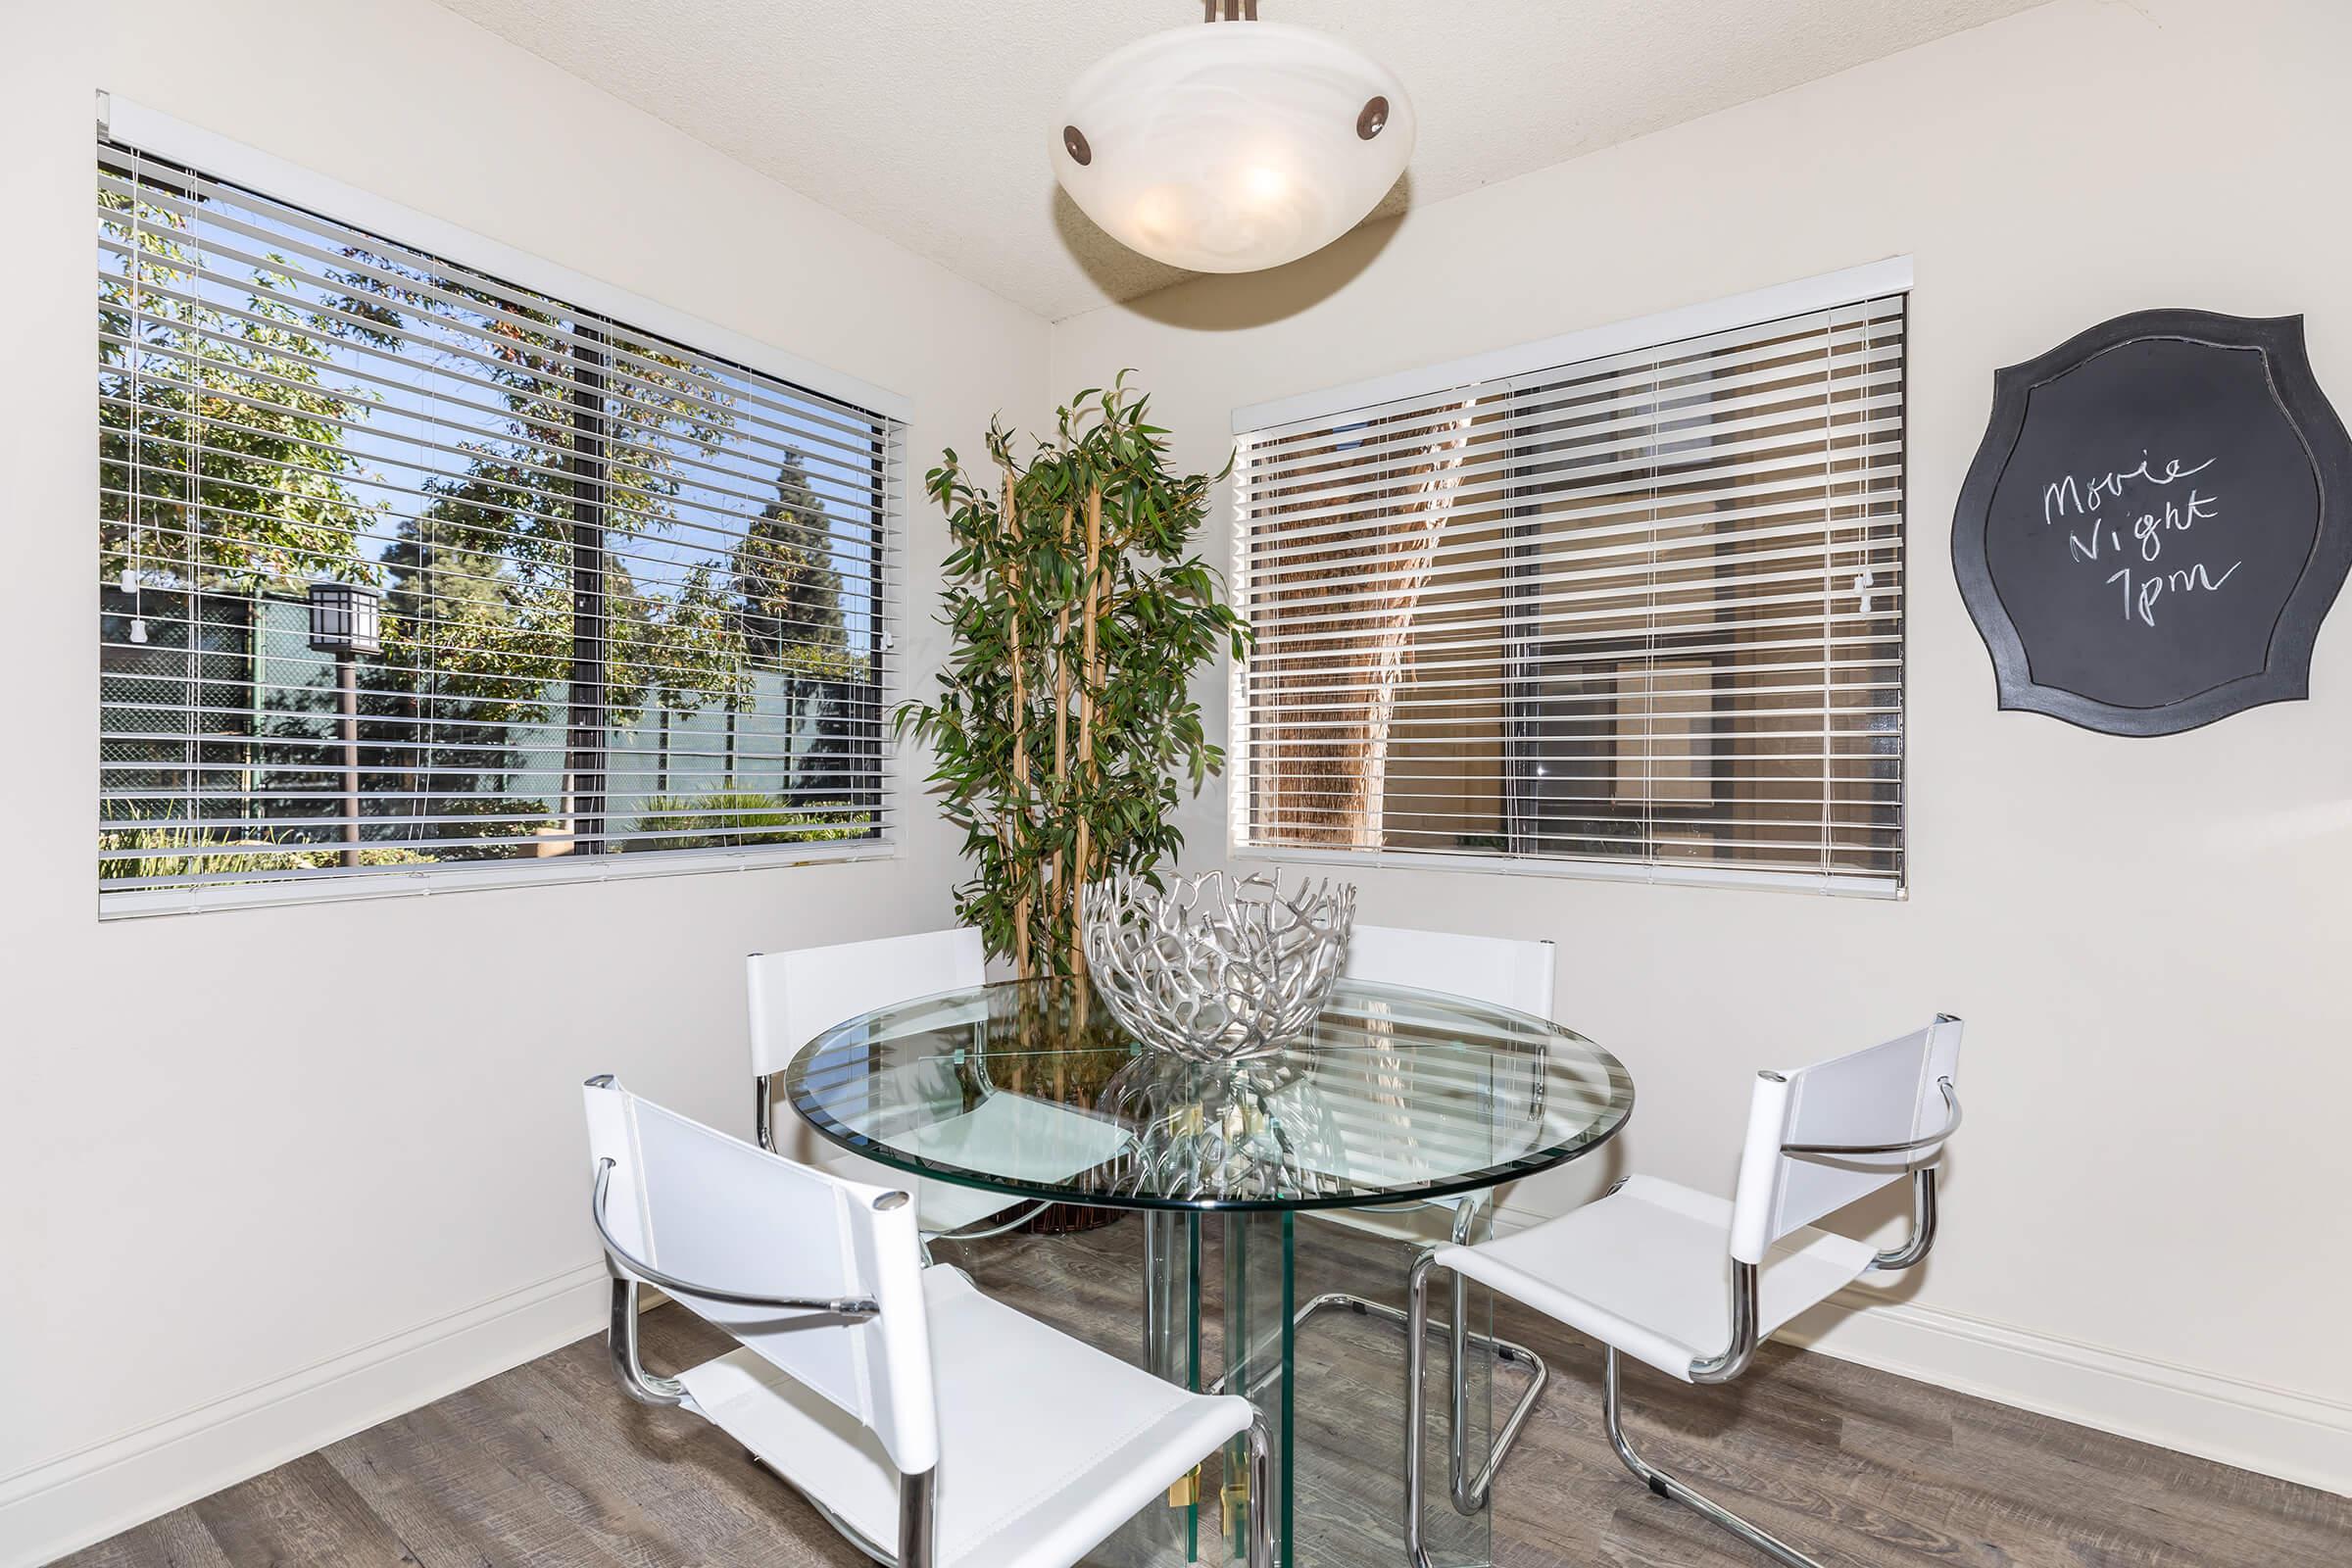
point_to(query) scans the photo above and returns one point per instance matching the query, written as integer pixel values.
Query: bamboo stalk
(1009, 510)
(1090, 677)
(1061, 719)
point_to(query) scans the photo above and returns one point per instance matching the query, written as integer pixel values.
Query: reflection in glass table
(1030, 1089)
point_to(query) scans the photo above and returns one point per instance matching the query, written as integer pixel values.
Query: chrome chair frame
(1471, 1494)
(1465, 1207)
(918, 1492)
(1733, 1360)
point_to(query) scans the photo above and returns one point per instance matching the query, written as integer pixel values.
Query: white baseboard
(2275, 1431)
(68, 1502)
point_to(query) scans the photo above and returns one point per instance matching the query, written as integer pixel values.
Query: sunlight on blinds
(1642, 613)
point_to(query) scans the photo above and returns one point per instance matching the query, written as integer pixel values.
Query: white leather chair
(1498, 969)
(932, 1426)
(1693, 1285)
(1507, 973)
(797, 995)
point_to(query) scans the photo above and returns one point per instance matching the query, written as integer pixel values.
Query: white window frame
(152, 132)
(1851, 285)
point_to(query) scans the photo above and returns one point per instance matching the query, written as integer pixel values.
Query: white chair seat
(1648, 1270)
(1046, 1445)
(1011, 1135)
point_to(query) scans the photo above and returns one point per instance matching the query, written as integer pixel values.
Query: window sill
(335, 887)
(1816, 883)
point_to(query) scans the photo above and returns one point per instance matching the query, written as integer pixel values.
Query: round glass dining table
(1031, 1091)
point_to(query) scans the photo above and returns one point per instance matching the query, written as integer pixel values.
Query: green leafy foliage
(730, 819)
(482, 581)
(785, 587)
(265, 500)
(1064, 722)
(165, 851)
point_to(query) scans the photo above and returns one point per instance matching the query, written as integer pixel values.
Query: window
(629, 598)
(1639, 615)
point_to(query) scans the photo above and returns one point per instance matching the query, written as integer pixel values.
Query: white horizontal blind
(1642, 613)
(635, 599)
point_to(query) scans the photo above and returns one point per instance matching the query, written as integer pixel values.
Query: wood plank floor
(547, 1466)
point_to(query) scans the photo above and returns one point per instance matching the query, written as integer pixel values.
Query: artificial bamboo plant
(1064, 717)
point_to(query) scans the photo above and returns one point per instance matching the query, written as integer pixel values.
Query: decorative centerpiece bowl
(1215, 968)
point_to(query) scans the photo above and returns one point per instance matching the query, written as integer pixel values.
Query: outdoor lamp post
(344, 623)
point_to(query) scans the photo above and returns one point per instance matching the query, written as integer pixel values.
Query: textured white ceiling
(930, 120)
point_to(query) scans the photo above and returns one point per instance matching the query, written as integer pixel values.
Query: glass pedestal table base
(1332, 1386)
(1030, 1089)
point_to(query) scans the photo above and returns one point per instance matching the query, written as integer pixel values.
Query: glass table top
(1031, 1089)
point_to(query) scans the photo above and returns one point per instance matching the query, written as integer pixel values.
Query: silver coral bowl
(1216, 968)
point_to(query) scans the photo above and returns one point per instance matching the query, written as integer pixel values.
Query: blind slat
(551, 465)
(1672, 587)
(863, 542)
(1508, 410)
(437, 388)
(284, 227)
(171, 182)
(1632, 420)
(1884, 314)
(1526, 487)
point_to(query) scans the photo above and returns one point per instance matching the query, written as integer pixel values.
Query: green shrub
(726, 819)
(148, 852)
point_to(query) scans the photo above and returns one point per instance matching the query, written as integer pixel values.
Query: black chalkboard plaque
(2156, 522)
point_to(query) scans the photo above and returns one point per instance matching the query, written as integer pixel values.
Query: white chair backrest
(797, 995)
(1889, 1094)
(699, 1205)
(1501, 970)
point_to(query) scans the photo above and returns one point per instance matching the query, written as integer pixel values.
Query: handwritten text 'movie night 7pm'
(2080, 500)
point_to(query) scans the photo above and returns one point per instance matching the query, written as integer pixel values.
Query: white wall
(232, 1235)
(260, 1198)
(2144, 1225)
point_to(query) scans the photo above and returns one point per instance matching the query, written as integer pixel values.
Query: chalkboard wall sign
(2158, 519)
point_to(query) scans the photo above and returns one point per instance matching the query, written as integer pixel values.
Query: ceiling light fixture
(1231, 148)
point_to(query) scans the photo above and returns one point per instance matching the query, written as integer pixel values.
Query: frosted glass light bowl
(1231, 146)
